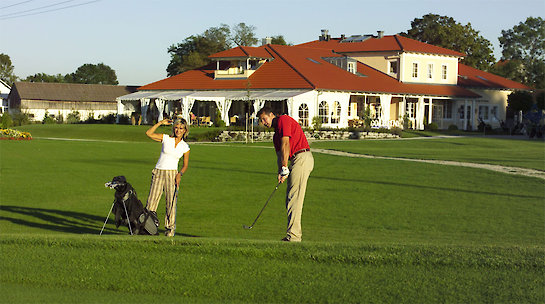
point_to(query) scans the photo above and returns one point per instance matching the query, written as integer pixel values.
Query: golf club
(175, 199)
(252, 226)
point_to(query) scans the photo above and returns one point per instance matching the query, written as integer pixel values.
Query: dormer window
(239, 62)
(352, 67)
(392, 67)
(345, 63)
(238, 68)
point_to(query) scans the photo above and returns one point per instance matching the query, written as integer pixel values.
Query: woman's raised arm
(157, 136)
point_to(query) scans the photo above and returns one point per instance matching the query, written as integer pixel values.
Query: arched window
(323, 111)
(336, 114)
(303, 115)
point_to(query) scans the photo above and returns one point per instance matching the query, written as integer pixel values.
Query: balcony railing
(232, 73)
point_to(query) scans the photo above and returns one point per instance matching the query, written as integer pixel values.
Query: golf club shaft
(265, 205)
(175, 200)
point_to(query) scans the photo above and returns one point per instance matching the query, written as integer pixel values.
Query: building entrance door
(437, 115)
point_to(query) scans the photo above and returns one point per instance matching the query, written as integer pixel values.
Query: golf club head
(247, 227)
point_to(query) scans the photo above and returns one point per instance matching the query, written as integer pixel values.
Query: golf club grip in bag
(149, 223)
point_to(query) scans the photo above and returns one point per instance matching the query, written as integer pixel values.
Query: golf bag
(128, 209)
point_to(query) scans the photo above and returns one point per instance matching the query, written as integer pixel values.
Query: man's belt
(300, 151)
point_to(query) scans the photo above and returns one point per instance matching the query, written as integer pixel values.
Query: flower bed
(11, 134)
(311, 135)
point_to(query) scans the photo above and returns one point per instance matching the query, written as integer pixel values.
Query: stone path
(497, 168)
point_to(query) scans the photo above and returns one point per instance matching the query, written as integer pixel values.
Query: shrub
(431, 127)
(108, 119)
(123, 119)
(60, 118)
(484, 127)
(6, 121)
(91, 119)
(452, 127)
(20, 119)
(355, 135)
(316, 122)
(218, 122)
(396, 131)
(73, 118)
(49, 119)
(208, 136)
(367, 116)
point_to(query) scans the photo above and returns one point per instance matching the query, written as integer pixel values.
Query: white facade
(4, 92)
(39, 114)
(335, 108)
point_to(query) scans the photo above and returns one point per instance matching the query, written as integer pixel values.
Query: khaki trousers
(300, 168)
(163, 181)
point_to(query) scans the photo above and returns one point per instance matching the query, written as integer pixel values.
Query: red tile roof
(304, 67)
(471, 77)
(275, 74)
(384, 44)
(244, 52)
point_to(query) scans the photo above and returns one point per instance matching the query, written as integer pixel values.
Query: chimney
(325, 35)
(266, 40)
(380, 34)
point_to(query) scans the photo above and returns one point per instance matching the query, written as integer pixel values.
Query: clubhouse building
(340, 80)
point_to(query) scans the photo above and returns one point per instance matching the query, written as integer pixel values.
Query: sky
(132, 36)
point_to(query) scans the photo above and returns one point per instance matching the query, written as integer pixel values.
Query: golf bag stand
(108, 216)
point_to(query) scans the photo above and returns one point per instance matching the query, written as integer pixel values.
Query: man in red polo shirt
(290, 144)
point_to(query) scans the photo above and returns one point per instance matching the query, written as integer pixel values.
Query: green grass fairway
(103, 131)
(375, 231)
(484, 150)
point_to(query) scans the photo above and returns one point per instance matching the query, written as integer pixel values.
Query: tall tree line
(87, 73)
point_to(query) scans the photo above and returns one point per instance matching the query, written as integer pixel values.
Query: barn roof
(70, 91)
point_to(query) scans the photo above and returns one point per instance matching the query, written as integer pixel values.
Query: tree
(540, 100)
(445, 32)
(279, 39)
(193, 52)
(6, 69)
(519, 101)
(525, 44)
(93, 74)
(43, 77)
(512, 69)
(243, 35)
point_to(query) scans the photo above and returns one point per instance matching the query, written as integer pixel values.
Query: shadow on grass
(56, 220)
(63, 221)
